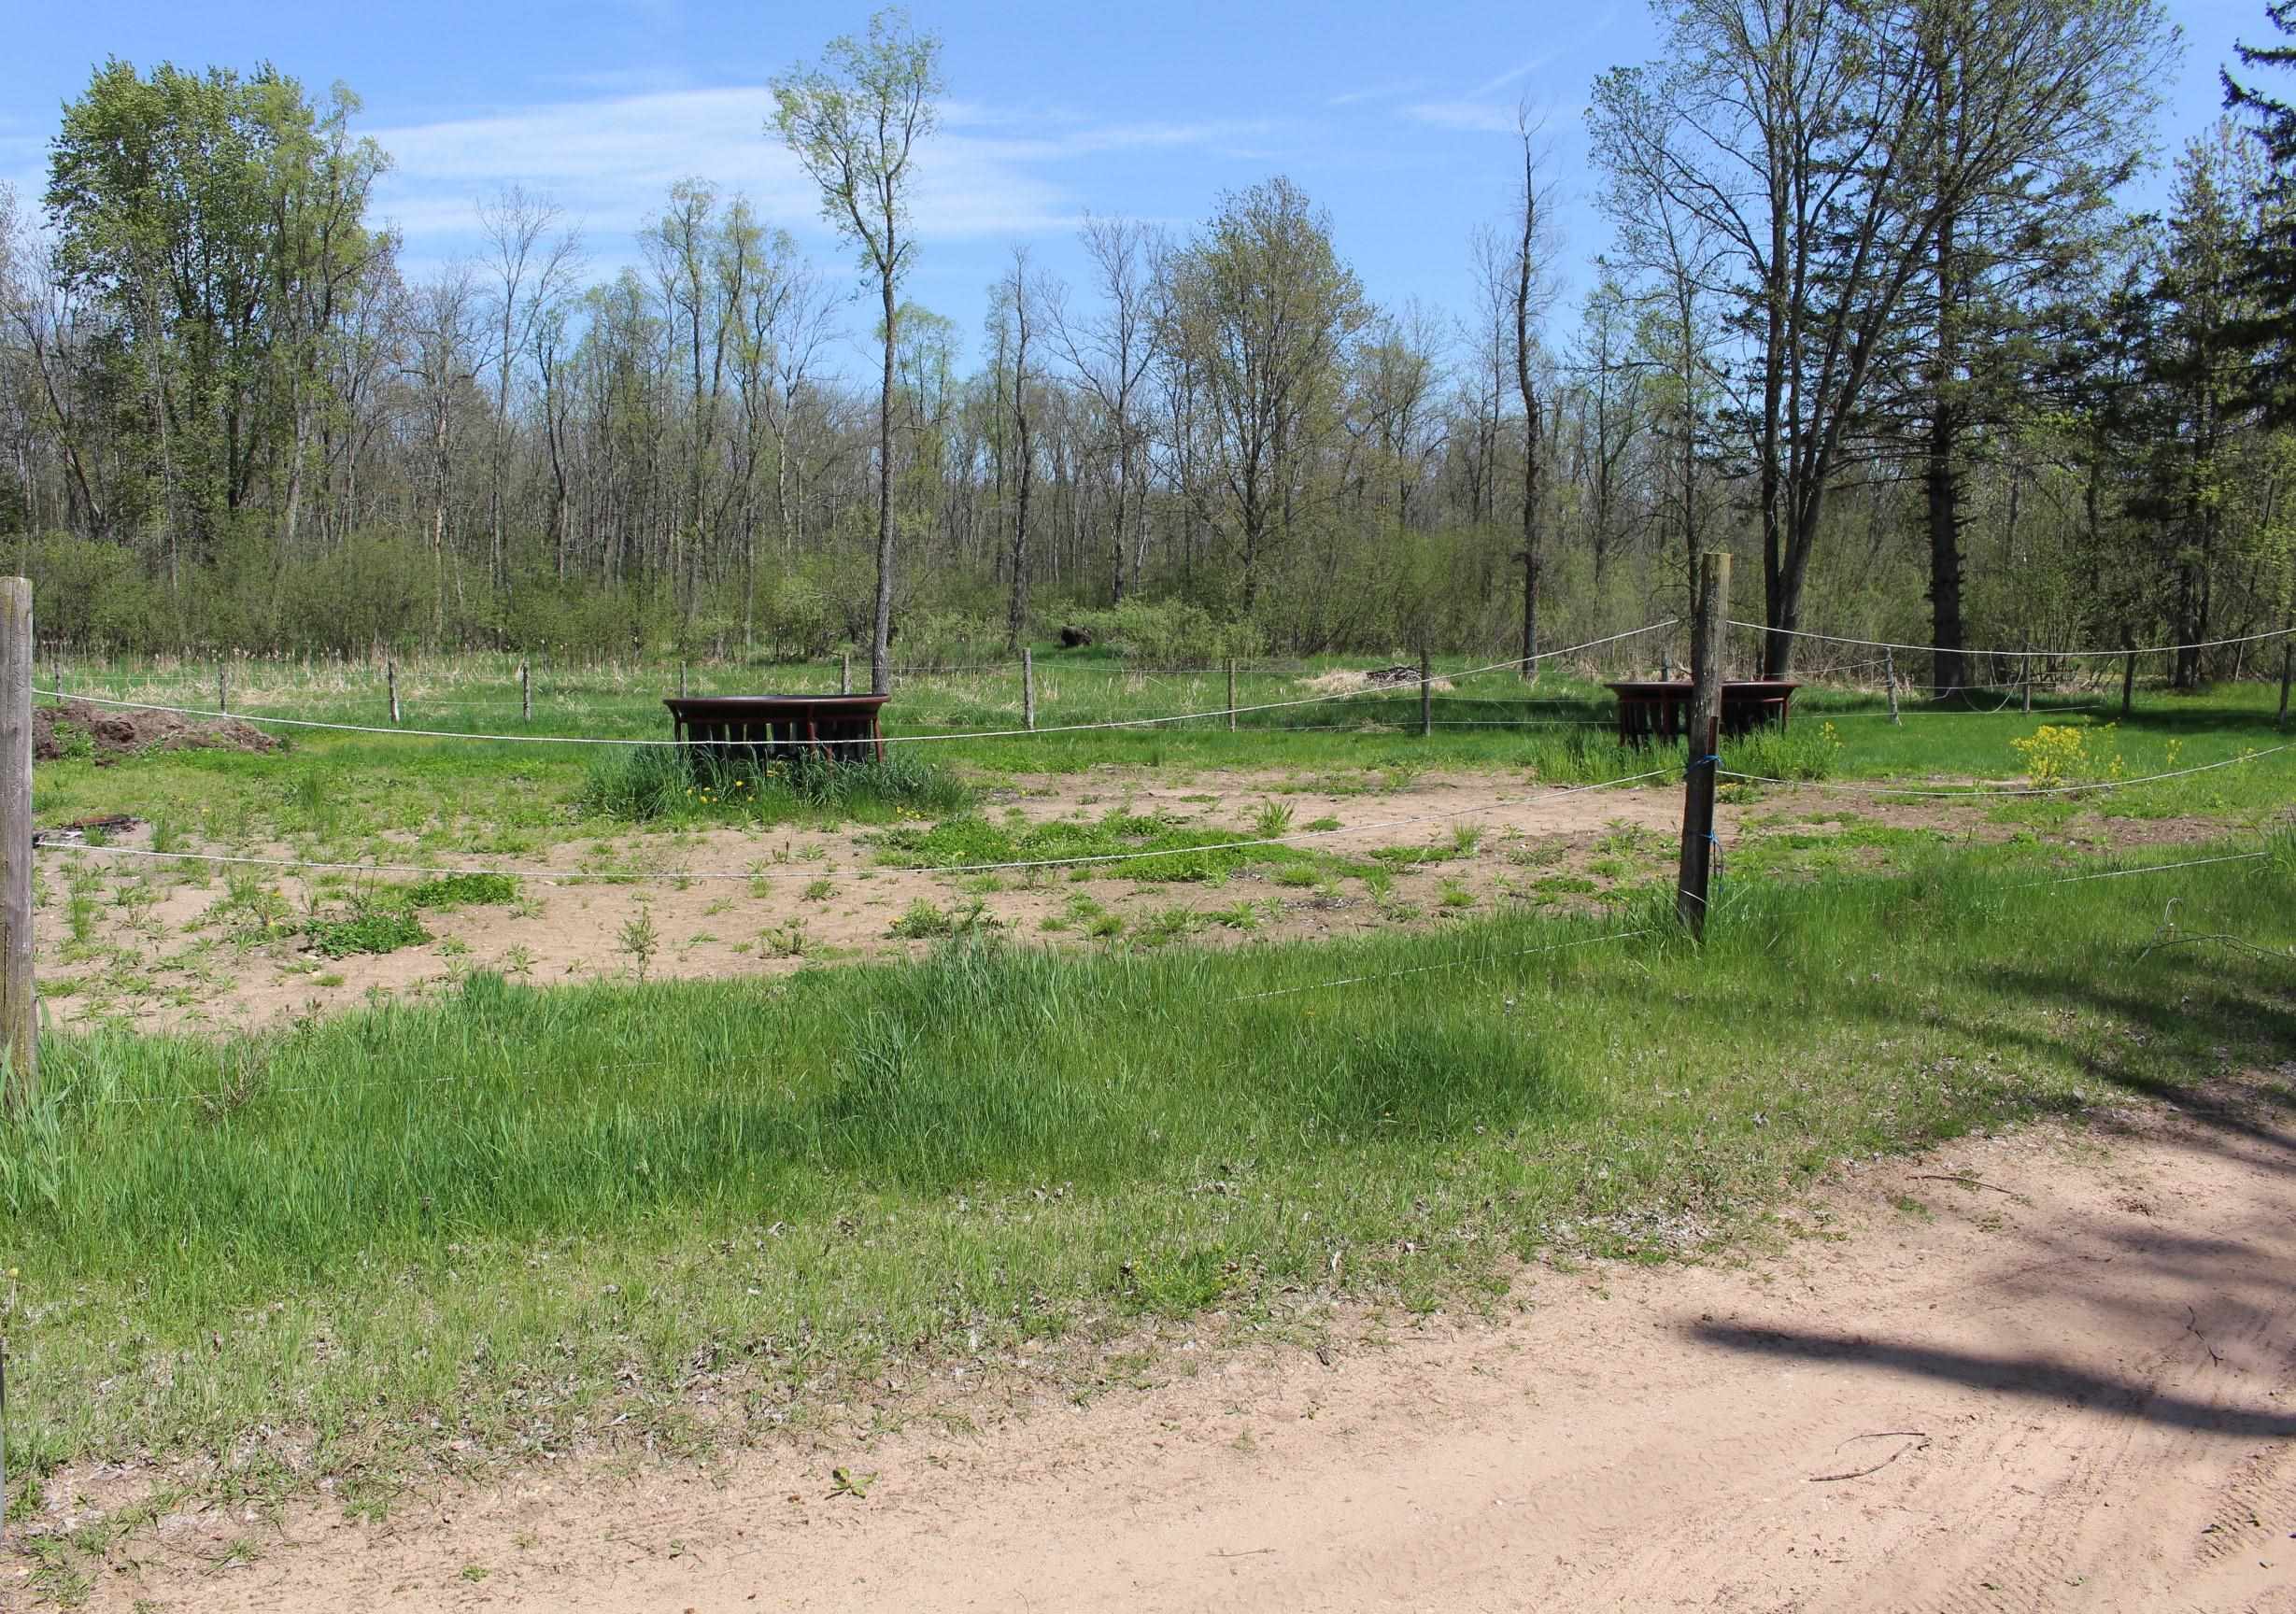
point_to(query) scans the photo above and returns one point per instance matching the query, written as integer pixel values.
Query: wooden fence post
(1706, 648)
(681, 678)
(1889, 671)
(2287, 663)
(19, 1004)
(526, 692)
(1426, 694)
(1029, 687)
(1231, 695)
(223, 686)
(845, 670)
(390, 681)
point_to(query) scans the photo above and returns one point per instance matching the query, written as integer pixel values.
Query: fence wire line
(581, 875)
(888, 739)
(1448, 964)
(2144, 868)
(2030, 655)
(2016, 790)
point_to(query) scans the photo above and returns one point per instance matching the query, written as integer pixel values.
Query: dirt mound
(67, 730)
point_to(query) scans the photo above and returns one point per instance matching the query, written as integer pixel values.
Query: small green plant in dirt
(1464, 838)
(460, 890)
(639, 940)
(785, 940)
(1455, 895)
(368, 927)
(819, 890)
(74, 744)
(1274, 818)
(1166, 924)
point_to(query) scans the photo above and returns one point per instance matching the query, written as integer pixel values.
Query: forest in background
(1873, 315)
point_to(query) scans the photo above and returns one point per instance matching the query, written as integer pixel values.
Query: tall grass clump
(646, 785)
(1589, 756)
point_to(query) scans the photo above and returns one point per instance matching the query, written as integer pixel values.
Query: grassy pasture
(507, 1218)
(524, 1213)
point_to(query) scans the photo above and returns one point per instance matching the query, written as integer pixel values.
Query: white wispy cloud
(987, 173)
(1394, 89)
(1478, 116)
(1492, 86)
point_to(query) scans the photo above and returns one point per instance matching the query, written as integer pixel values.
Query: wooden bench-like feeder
(1659, 709)
(781, 728)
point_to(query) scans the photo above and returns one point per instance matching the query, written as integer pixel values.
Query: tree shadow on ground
(2030, 1376)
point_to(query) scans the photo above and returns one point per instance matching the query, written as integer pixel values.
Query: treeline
(1872, 315)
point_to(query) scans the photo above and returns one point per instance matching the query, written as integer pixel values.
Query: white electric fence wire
(2144, 868)
(2027, 655)
(2013, 790)
(625, 875)
(1217, 711)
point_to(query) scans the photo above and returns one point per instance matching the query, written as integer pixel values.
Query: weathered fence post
(526, 692)
(223, 686)
(1889, 671)
(1426, 694)
(1231, 695)
(1705, 702)
(390, 683)
(1029, 687)
(845, 670)
(681, 678)
(19, 1004)
(2287, 663)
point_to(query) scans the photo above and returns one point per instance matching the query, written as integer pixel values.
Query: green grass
(526, 1213)
(398, 797)
(1155, 849)
(378, 928)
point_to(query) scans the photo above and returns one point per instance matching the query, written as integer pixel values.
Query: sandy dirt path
(2070, 1387)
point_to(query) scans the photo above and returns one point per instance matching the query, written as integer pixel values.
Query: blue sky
(1398, 120)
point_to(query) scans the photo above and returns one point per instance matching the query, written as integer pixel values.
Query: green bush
(368, 928)
(1170, 634)
(456, 891)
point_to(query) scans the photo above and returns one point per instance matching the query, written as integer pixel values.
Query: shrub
(367, 928)
(1171, 633)
(455, 890)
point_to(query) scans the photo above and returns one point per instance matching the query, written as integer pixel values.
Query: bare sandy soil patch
(2047, 1371)
(821, 896)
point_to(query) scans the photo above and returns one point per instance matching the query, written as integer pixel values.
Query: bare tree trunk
(881, 633)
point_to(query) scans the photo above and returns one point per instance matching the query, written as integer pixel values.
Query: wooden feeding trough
(754, 727)
(1655, 708)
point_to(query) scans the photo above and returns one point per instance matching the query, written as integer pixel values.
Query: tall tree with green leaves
(2038, 110)
(220, 221)
(853, 122)
(1263, 310)
(2272, 255)
(2196, 358)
